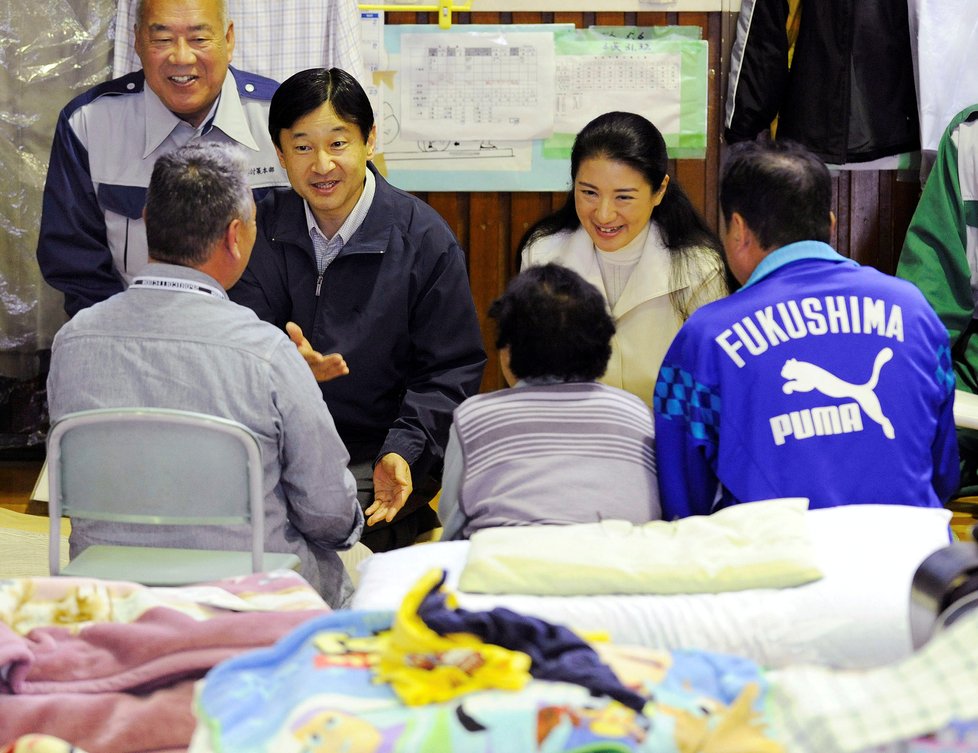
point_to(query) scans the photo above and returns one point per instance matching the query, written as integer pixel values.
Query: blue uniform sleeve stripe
(945, 369)
(678, 396)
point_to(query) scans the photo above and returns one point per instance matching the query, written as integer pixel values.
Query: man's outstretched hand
(392, 487)
(323, 367)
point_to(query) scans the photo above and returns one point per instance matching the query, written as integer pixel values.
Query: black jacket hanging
(849, 93)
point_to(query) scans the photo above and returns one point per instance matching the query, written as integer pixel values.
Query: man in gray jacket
(173, 339)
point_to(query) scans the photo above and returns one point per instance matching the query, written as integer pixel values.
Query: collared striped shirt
(328, 249)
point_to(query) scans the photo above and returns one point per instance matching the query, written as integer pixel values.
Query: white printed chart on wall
(477, 86)
(497, 107)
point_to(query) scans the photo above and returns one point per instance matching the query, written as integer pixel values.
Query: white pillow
(856, 616)
(760, 545)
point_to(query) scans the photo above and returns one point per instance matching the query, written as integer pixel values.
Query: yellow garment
(425, 667)
(41, 744)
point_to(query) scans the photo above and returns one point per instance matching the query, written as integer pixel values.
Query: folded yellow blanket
(756, 545)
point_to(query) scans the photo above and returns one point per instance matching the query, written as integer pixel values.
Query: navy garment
(556, 653)
(395, 302)
(92, 240)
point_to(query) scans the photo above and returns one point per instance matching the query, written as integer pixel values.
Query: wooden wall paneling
(873, 209)
(490, 264)
(864, 206)
(904, 195)
(402, 17)
(886, 243)
(713, 32)
(569, 17)
(694, 19)
(528, 17)
(485, 17)
(899, 192)
(840, 206)
(454, 209)
(691, 175)
(609, 19)
(526, 208)
(651, 18)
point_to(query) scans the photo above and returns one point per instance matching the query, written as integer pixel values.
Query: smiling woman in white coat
(631, 232)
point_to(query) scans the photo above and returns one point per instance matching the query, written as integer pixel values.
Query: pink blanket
(110, 666)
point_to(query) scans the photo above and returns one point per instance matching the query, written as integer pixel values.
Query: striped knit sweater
(563, 453)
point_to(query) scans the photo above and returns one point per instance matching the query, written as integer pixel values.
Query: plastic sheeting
(50, 50)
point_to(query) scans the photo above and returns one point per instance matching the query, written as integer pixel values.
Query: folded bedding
(761, 545)
(855, 616)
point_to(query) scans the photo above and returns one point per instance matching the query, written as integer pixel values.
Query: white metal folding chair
(158, 467)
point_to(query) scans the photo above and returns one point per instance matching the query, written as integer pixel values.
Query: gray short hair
(194, 194)
(222, 11)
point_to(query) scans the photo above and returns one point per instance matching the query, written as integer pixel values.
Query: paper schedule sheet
(649, 84)
(477, 85)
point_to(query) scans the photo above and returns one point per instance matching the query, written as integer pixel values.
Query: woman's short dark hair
(307, 90)
(555, 324)
(781, 189)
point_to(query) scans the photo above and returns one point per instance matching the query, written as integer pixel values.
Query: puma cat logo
(802, 376)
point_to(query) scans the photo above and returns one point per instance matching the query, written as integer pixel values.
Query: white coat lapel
(581, 257)
(650, 278)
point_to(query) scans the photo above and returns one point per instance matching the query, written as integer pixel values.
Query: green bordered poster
(495, 108)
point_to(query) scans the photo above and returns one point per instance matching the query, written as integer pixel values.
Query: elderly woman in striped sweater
(558, 447)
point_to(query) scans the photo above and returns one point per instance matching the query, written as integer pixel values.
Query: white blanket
(855, 616)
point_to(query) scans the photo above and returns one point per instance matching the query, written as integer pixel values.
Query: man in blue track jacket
(818, 378)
